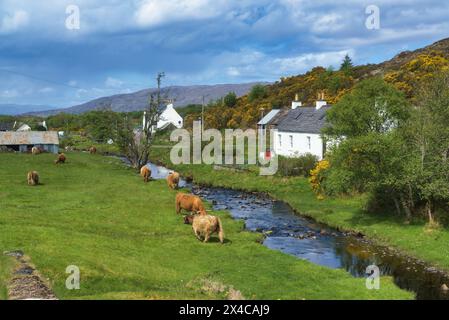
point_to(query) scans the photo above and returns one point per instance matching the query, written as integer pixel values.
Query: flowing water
(302, 237)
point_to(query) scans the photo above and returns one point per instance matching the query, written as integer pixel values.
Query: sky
(50, 55)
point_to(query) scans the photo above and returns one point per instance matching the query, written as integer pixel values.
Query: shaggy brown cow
(33, 178)
(61, 159)
(205, 225)
(92, 150)
(173, 180)
(189, 202)
(35, 150)
(145, 172)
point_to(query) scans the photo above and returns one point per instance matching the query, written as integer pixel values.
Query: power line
(39, 78)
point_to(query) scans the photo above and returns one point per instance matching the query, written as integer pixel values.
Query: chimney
(296, 103)
(320, 102)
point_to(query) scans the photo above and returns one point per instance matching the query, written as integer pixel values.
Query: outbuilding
(26, 140)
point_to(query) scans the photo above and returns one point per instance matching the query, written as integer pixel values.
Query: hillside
(407, 71)
(183, 96)
(16, 109)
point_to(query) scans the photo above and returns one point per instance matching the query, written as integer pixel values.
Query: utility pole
(202, 116)
(160, 75)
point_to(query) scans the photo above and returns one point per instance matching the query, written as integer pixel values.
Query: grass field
(345, 213)
(128, 242)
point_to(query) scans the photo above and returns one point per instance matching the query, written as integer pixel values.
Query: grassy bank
(128, 242)
(6, 265)
(344, 213)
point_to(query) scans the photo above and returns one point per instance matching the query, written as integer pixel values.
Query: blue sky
(121, 45)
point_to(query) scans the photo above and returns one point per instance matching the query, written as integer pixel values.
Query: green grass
(129, 243)
(345, 213)
(6, 265)
(84, 143)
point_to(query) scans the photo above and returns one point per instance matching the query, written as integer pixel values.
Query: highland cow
(190, 203)
(33, 178)
(61, 158)
(145, 172)
(173, 180)
(204, 226)
(35, 150)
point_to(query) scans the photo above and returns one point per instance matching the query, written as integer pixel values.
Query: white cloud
(46, 90)
(253, 65)
(328, 23)
(155, 12)
(233, 72)
(113, 83)
(13, 22)
(9, 94)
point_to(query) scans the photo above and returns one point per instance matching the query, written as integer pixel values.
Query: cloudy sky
(120, 45)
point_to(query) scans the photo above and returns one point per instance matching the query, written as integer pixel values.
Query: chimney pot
(319, 104)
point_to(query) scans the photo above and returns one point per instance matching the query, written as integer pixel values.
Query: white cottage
(297, 131)
(169, 116)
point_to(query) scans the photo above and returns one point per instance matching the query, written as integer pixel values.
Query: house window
(291, 141)
(280, 140)
(309, 143)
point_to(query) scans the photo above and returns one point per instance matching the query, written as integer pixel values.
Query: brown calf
(145, 172)
(35, 150)
(173, 180)
(33, 178)
(189, 202)
(92, 150)
(61, 159)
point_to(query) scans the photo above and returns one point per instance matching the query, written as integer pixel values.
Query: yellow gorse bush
(317, 177)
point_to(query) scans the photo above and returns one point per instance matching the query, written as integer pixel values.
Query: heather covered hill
(406, 71)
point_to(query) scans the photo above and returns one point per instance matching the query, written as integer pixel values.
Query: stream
(306, 239)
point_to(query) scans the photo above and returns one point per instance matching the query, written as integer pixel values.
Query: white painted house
(298, 130)
(169, 116)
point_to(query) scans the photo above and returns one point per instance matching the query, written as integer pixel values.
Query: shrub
(296, 166)
(317, 176)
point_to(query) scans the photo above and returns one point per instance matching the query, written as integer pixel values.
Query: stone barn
(24, 141)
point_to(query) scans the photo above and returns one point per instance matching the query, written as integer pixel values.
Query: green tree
(428, 133)
(258, 91)
(372, 106)
(398, 154)
(134, 145)
(230, 100)
(347, 65)
(101, 125)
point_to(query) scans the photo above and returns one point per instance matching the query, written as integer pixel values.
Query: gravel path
(26, 282)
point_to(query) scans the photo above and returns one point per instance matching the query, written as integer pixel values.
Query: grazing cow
(205, 225)
(92, 150)
(189, 202)
(145, 172)
(173, 180)
(61, 158)
(33, 178)
(35, 150)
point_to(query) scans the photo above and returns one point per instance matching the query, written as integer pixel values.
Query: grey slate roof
(304, 120)
(269, 116)
(28, 138)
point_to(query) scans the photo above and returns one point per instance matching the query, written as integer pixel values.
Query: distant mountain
(15, 109)
(183, 96)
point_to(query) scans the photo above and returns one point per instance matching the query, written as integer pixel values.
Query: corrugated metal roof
(29, 137)
(269, 116)
(304, 119)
